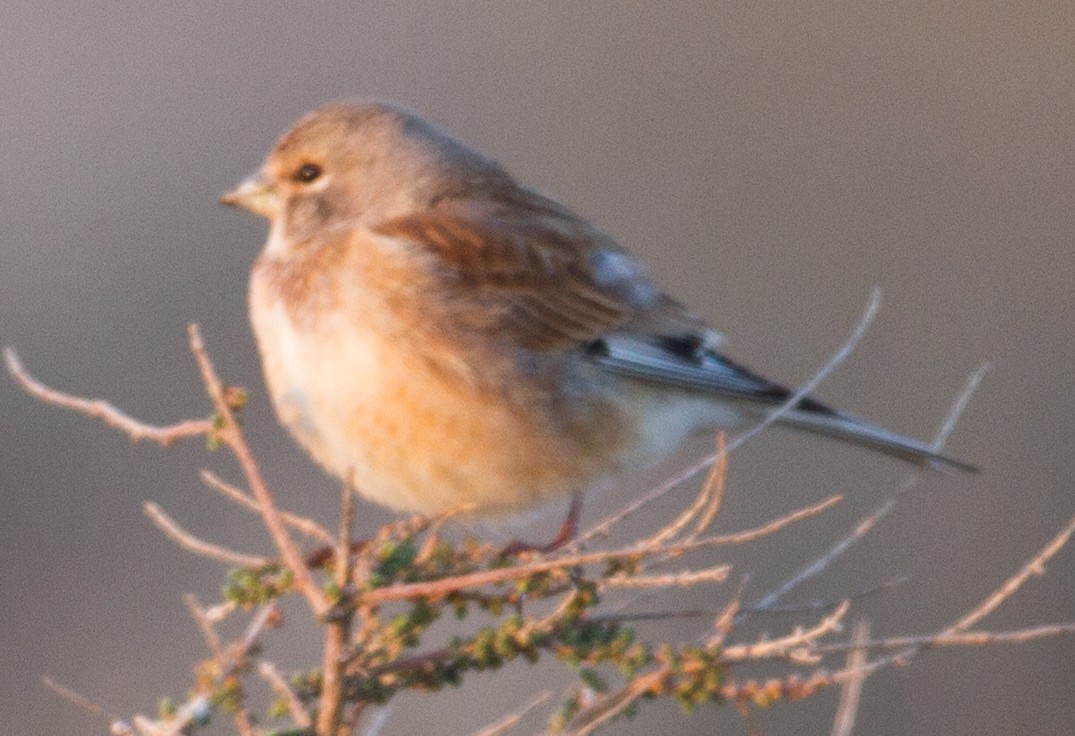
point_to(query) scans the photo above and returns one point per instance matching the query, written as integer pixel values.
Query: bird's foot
(568, 531)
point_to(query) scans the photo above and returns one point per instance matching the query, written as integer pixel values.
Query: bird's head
(359, 163)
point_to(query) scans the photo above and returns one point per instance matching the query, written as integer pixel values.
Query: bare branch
(961, 639)
(851, 693)
(189, 542)
(829, 602)
(819, 565)
(826, 370)
(604, 527)
(99, 409)
(232, 434)
(381, 650)
(441, 587)
(265, 618)
(345, 562)
(377, 723)
(869, 522)
(301, 524)
(330, 709)
(1035, 566)
(607, 708)
(512, 720)
(279, 685)
(714, 485)
(705, 505)
(77, 699)
(766, 529)
(241, 715)
(786, 646)
(686, 578)
(955, 411)
(205, 626)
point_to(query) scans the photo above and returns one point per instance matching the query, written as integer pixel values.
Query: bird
(446, 338)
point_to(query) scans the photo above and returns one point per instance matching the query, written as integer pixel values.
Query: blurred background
(772, 163)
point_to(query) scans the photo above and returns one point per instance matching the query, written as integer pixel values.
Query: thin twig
(715, 482)
(612, 705)
(724, 620)
(796, 686)
(77, 699)
(219, 611)
(441, 587)
(962, 639)
(189, 542)
(241, 714)
(811, 385)
(955, 411)
(765, 530)
(816, 604)
(819, 565)
(279, 685)
(604, 527)
(379, 720)
(1036, 566)
(232, 434)
(785, 645)
(266, 617)
(865, 525)
(195, 711)
(711, 491)
(330, 711)
(301, 524)
(512, 720)
(103, 410)
(686, 578)
(205, 626)
(851, 692)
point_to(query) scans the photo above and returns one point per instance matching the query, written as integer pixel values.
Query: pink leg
(568, 531)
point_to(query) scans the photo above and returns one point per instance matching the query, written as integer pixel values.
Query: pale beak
(256, 195)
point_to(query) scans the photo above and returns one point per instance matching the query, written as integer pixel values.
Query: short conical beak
(254, 194)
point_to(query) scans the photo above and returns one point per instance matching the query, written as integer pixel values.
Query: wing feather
(529, 264)
(529, 272)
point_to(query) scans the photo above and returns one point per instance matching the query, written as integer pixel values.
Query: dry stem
(279, 685)
(100, 409)
(231, 433)
(301, 524)
(200, 547)
(851, 693)
(604, 527)
(512, 720)
(338, 628)
(439, 588)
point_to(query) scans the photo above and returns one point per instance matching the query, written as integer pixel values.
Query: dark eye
(308, 173)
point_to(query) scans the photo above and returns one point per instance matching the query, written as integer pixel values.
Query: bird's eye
(308, 173)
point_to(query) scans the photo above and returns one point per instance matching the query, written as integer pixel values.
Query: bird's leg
(321, 556)
(568, 531)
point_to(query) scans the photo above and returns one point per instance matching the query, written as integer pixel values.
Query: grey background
(772, 163)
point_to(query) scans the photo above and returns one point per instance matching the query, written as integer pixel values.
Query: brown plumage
(450, 337)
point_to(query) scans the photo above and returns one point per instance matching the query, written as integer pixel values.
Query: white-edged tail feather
(860, 432)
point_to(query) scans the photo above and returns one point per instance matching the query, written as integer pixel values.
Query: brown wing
(528, 271)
